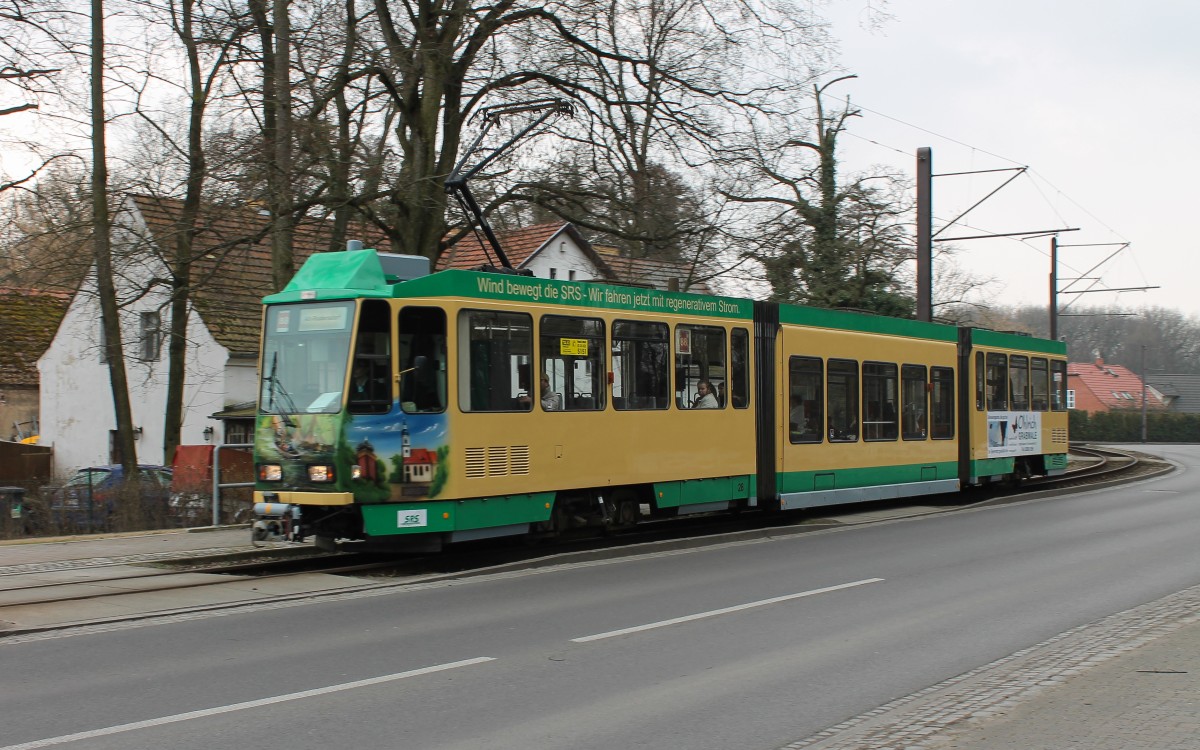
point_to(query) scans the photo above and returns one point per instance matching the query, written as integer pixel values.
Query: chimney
(1099, 363)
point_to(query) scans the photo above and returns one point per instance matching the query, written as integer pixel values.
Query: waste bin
(12, 510)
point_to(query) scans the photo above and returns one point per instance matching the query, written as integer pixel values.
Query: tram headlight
(270, 472)
(320, 473)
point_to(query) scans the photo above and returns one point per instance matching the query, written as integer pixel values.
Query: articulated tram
(420, 410)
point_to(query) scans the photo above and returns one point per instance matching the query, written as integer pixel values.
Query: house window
(239, 431)
(571, 274)
(554, 273)
(151, 342)
(1070, 398)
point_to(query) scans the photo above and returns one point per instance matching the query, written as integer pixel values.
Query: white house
(76, 405)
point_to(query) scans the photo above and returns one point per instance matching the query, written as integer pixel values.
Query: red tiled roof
(652, 271)
(232, 271)
(519, 245)
(29, 319)
(1108, 385)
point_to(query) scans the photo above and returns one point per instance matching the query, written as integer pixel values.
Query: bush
(1126, 427)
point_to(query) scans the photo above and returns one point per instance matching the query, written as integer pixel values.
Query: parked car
(91, 498)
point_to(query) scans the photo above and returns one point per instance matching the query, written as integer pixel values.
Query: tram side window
(422, 359)
(843, 400)
(879, 401)
(700, 367)
(572, 356)
(806, 400)
(370, 387)
(497, 348)
(997, 382)
(739, 380)
(980, 387)
(1039, 384)
(1058, 385)
(943, 403)
(640, 362)
(915, 403)
(1018, 382)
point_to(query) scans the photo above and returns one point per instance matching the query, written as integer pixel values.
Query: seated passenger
(551, 401)
(705, 398)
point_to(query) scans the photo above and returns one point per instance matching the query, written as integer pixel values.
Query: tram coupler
(276, 522)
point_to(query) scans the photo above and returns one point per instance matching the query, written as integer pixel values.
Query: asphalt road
(750, 645)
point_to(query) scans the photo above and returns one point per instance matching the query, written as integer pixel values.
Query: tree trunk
(184, 233)
(102, 253)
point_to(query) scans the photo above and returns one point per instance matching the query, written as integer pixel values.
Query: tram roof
(358, 273)
(1007, 340)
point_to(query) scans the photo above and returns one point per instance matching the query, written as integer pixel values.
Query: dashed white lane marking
(121, 728)
(717, 612)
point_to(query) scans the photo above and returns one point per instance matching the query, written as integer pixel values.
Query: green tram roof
(846, 320)
(1005, 340)
(358, 273)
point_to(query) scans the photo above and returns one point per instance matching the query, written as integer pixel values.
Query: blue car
(90, 499)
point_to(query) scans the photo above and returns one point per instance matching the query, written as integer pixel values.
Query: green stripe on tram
(532, 290)
(872, 476)
(384, 519)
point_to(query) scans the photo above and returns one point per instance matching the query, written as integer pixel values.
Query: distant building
(1180, 392)
(557, 250)
(29, 319)
(1097, 386)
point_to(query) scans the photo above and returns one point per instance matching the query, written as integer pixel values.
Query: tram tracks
(281, 569)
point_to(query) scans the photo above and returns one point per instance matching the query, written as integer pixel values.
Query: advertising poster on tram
(1014, 433)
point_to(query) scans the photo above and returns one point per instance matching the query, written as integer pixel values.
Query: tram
(417, 410)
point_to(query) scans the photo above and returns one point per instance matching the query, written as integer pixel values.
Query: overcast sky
(1099, 98)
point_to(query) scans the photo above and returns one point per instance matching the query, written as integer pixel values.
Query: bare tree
(102, 253)
(822, 241)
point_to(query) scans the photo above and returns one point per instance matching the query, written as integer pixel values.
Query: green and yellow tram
(428, 409)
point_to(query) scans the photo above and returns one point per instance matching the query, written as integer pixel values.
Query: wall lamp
(208, 434)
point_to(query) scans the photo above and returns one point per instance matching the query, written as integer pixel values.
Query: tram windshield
(306, 348)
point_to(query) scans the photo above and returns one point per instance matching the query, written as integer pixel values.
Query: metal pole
(1054, 288)
(1143, 393)
(924, 234)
